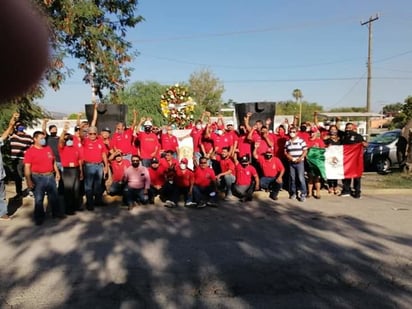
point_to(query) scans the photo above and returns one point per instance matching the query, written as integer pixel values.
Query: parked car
(380, 155)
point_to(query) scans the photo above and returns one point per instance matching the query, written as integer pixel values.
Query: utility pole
(368, 86)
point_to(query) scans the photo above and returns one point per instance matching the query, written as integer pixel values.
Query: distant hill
(57, 115)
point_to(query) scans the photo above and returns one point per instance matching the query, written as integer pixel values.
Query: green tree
(206, 90)
(92, 32)
(392, 109)
(298, 95)
(144, 97)
(407, 108)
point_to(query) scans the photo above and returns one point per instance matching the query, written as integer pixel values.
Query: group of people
(141, 162)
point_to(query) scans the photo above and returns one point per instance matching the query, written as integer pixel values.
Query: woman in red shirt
(72, 172)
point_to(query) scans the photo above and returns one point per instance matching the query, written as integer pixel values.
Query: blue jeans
(297, 178)
(270, 183)
(93, 177)
(3, 204)
(136, 195)
(202, 194)
(45, 184)
(226, 183)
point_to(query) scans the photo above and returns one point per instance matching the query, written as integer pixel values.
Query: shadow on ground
(259, 254)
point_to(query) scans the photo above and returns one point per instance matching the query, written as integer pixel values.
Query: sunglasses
(137, 161)
(92, 133)
(203, 162)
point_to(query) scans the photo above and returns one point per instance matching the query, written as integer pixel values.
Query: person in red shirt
(169, 141)
(247, 179)
(226, 178)
(184, 180)
(244, 145)
(95, 168)
(157, 175)
(122, 138)
(72, 174)
(148, 144)
(168, 161)
(272, 173)
(204, 187)
(41, 173)
(314, 180)
(196, 135)
(118, 166)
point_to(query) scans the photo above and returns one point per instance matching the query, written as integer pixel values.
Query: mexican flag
(336, 162)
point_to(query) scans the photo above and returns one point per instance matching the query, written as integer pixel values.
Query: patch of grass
(394, 180)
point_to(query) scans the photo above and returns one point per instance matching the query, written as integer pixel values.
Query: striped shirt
(19, 144)
(295, 148)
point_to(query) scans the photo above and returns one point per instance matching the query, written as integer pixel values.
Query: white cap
(229, 123)
(147, 123)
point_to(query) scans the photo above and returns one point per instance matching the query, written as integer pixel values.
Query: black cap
(154, 160)
(244, 159)
(107, 129)
(76, 128)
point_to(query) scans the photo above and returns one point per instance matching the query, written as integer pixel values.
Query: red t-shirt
(207, 143)
(221, 141)
(147, 144)
(41, 159)
(196, 136)
(227, 164)
(244, 146)
(271, 167)
(304, 135)
(317, 142)
(184, 178)
(69, 156)
(168, 164)
(169, 142)
(157, 176)
(204, 176)
(93, 150)
(244, 174)
(123, 141)
(118, 169)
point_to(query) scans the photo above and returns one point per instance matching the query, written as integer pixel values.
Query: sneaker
(273, 197)
(201, 205)
(211, 204)
(302, 198)
(190, 204)
(292, 197)
(357, 196)
(170, 204)
(344, 194)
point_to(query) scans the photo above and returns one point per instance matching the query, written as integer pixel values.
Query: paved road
(329, 253)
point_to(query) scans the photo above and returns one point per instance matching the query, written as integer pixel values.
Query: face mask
(164, 131)
(268, 156)
(135, 164)
(53, 134)
(303, 128)
(292, 134)
(333, 133)
(21, 128)
(219, 132)
(199, 126)
(69, 143)
(43, 142)
(327, 127)
(242, 131)
(147, 129)
(182, 166)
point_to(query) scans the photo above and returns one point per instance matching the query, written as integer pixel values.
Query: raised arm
(10, 128)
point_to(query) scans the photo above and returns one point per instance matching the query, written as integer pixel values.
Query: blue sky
(261, 50)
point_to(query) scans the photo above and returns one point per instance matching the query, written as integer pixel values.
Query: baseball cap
(314, 129)
(229, 123)
(147, 123)
(154, 160)
(184, 161)
(107, 129)
(244, 159)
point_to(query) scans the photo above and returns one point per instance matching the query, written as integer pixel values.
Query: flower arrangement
(177, 106)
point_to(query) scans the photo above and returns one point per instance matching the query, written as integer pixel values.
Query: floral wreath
(177, 106)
